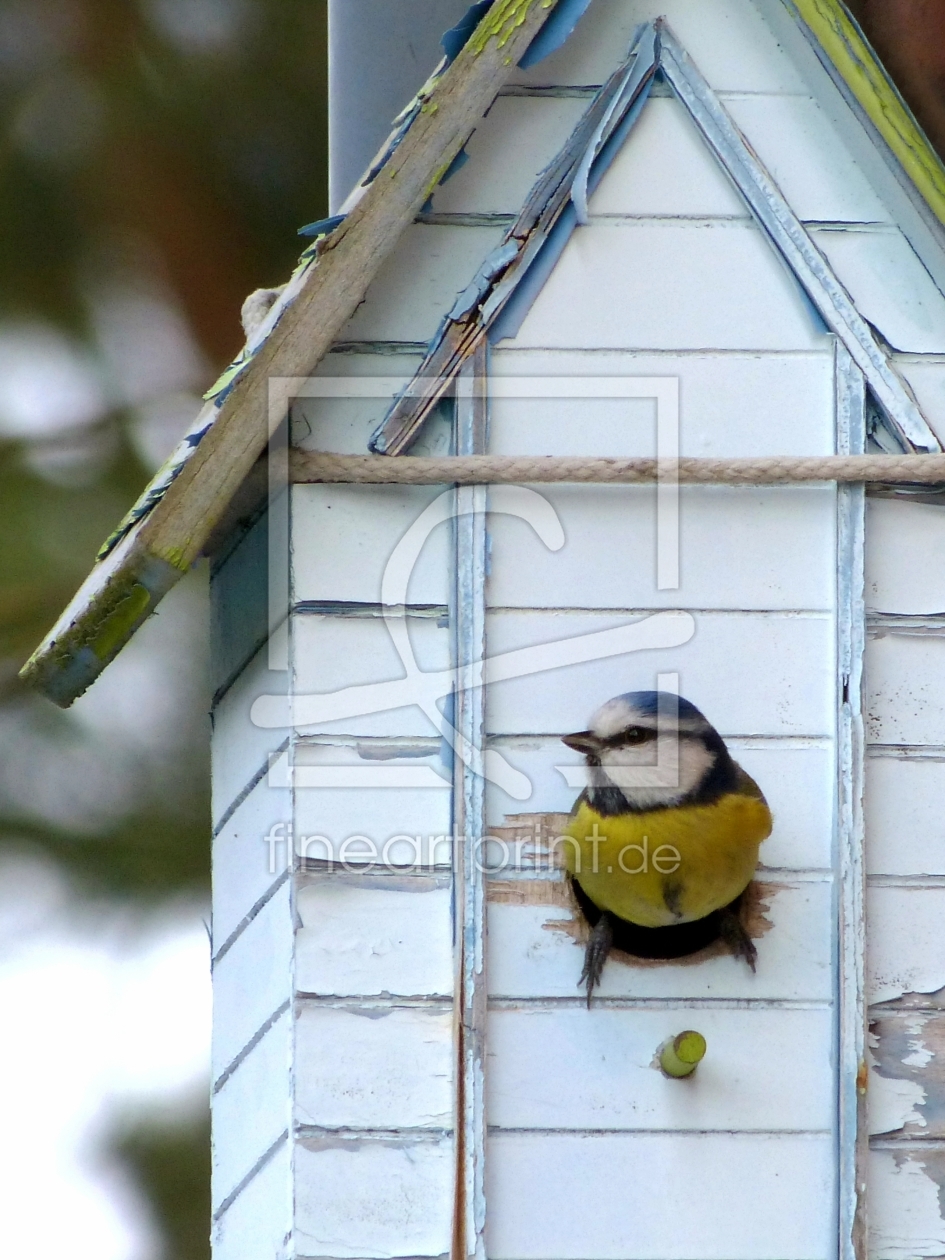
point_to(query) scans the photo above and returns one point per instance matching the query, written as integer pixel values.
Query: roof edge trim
(169, 527)
(840, 43)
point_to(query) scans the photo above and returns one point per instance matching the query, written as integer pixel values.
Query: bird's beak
(582, 742)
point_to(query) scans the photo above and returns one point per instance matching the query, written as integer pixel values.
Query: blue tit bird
(664, 840)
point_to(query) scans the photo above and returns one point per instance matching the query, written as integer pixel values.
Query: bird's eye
(630, 735)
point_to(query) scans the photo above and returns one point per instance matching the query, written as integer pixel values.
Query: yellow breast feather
(671, 865)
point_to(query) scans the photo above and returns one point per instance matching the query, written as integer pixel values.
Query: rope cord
(317, 466)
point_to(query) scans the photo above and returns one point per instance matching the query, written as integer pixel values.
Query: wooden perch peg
(681, 1055)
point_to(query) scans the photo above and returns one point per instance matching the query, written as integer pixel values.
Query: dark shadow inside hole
(677, 941)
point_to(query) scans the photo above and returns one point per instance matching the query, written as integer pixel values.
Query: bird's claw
(733, 933)
(599, 945)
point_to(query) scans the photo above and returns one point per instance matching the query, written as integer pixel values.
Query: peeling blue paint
(512, 315)
(321, 227)
(541, 232)
(458, 162)
(512, 310)
(555, 32)
(635, 90)
(477, 288)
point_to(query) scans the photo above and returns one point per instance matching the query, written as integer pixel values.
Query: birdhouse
(618, 372)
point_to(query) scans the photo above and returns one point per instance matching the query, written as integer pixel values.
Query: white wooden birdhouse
(706, 233)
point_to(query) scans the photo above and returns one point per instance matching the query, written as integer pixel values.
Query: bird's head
(648, 750)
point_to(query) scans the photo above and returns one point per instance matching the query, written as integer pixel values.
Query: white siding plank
(905, 1214)
(901, 539)
(331, 653)
(657, 1196)
(904, 827)
(577, 1069)
(245, 866)
(251, 1110)
(740, 548)
(419, 283)
(666, 168)
(890, 287)
(730, 404)
(344, 425)
(259, 1222)
(374, 1069)
(728, 40)
(811, 165)
(670, 285)
(798, 783)
(494, 181)
(787, 660)
(905, 953)
(533, 953)
(905, 682)
(252, 980)
(397, 825)
(928, 384)
(373, 1200)
(904, 1094)
(373, 935)
(343, 536)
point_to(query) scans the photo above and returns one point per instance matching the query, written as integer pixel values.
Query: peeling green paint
(68, 662)
(118, 625)
(437, 175)
(176, 557)
(840, 38)
(501, 22)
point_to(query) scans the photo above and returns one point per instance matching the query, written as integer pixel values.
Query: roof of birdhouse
(170, 526)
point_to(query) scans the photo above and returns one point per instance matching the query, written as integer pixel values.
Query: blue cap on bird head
(649, 703)
(648, 710)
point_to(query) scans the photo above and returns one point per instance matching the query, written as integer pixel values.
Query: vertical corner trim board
(853, 1131)
(469, 817)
